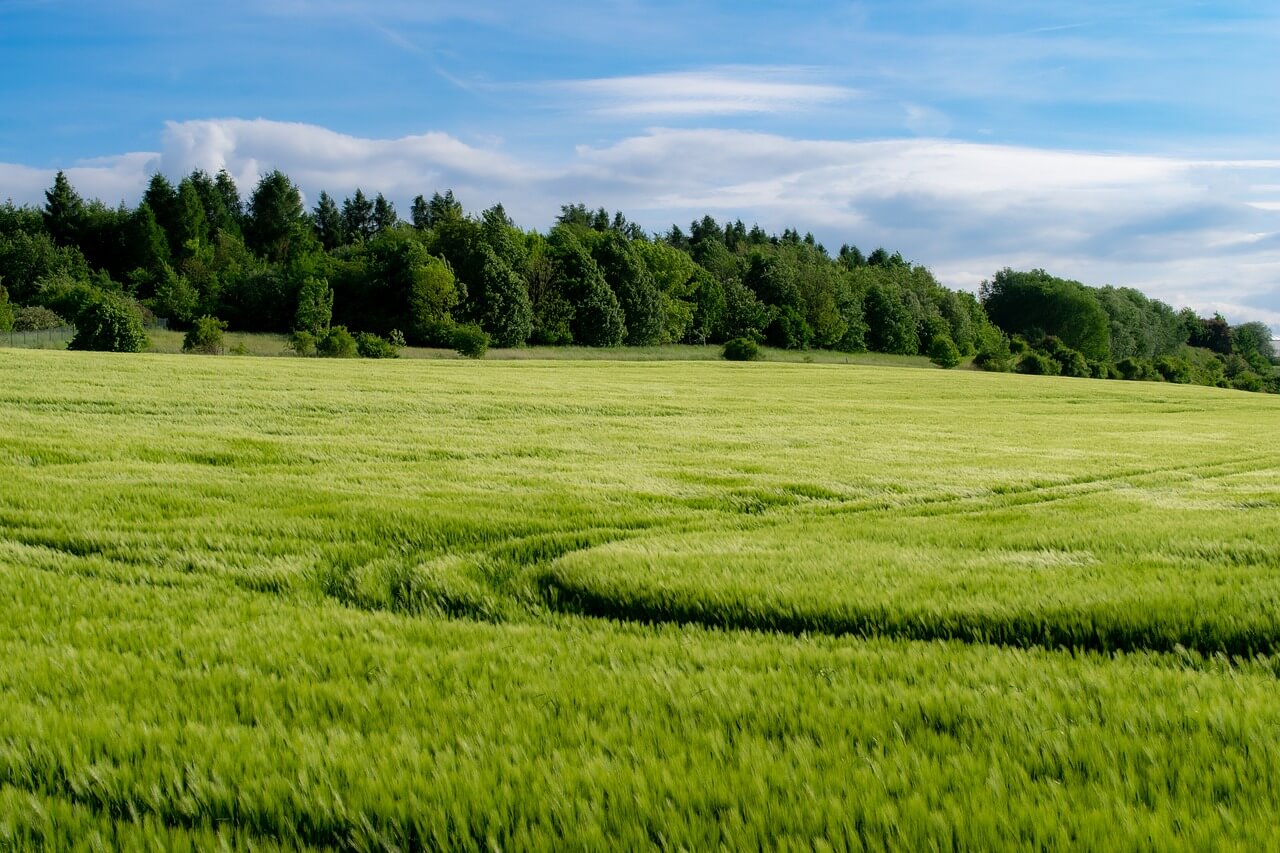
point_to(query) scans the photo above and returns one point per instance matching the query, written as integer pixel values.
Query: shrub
(470, 340)
(944, 352)
(369, 345)
(108, 323)
(336, 343)
(1173, 369)
(205, 336)
(1038, 364)
(741, 349)
(36, 319)
(1099, 370)
(1247, 381)
(994, 353)
(303, 343)
(1135, 369)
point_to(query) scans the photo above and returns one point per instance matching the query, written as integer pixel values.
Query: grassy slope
(241, 598)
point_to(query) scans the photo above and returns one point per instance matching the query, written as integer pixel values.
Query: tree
(420, 213)
(633, 287)
(275, 216)
(597, 318)
(229, 193)
(328, 222)
(384, 214)
(145, 245)
(192, 226)
(357, 218)
(315, 307)
(1034, 304)
(507, 313)
(110, 324)
(6, 311)
(162, 198)
(63, 212)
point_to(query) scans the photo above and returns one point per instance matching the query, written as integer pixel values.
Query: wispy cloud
(722, 91)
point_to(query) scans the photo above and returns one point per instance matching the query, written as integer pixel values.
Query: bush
(108, 323)
(1247, 381)
(205, 336)
(944, 352)
(741, 349)
(336, 343)
(369, 345)
(470, 341)
(1035, 363)
(303, 343)
(790, 330)
(994, 353)
(1173, 369)
(1135, 370)
(36, 319)
(1099, 370)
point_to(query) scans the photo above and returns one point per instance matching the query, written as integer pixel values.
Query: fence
(41, 339)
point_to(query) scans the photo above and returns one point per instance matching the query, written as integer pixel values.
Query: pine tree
(63, 211)
(328, 222)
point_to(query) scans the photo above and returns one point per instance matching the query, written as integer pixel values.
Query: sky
(1120, 142)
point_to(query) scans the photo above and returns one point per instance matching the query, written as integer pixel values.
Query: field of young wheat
(266, 603)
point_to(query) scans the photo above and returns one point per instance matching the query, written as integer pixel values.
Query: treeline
(356, 272)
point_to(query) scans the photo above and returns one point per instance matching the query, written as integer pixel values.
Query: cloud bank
(1204, 233)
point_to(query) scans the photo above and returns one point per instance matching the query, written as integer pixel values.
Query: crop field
(278, 603)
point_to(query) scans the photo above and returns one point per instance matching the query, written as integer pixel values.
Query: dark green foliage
(789, 330)
(315, 307)
(384, 214)
(745, 316)
(632, 284)
(33, 318)
(891, 325)
(1038, 364)
(327, 222)
(63, 212)
(1035, 304)
(1136, 369)
(275, 218)
(470, 340)
(336, 343)
(507, 314)
(205, 336)
(109, 323)
(740, 349)
(175, 298)
(597, 318)
(369, 345)
(1213, 333)
(944, 353)
(1070, 361)
(1172, 369)
(357, 218)
(6, 311)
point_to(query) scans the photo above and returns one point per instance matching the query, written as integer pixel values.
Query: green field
(535, 604)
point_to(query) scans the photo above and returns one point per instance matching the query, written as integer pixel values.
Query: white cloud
(725, 91)
(1184, 230)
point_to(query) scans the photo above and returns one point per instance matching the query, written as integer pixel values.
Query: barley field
(522, 604)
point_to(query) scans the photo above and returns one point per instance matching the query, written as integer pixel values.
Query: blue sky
(1118, 142)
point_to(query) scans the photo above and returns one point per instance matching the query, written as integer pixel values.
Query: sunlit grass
(358, 604)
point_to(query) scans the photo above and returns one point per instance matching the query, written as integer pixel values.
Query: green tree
(63, 212)
(6, 310)
(633, 286)
(230, 195)
(191, 225)
(384, 214)
(597, 318)
(1034, 304)
(275, 216)
(315, 306)
(507, 315)
(328, 222)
